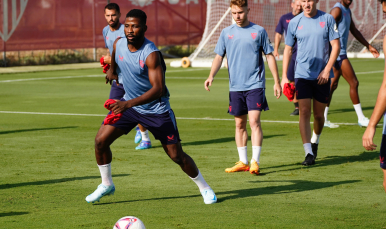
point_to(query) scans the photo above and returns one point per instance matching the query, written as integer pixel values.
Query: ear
(145, 28)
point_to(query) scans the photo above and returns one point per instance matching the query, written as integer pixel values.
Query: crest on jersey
(322, 24)
(253, 35)
(141, 3)
(142, 63)
(10, 11)
(287, 21)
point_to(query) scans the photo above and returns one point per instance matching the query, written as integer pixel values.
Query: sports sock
(145, 136)
(243, 154)
(296, 105)
(307, 148)
(325, 113)
(105, 171)
(256, 150)
(358, 110)
(315, 138)
(200, 181)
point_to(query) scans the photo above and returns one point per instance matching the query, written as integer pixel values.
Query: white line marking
(182, 118)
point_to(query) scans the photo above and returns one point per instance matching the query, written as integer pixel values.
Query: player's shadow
(343, 110)
(222, 140)
(3, 214)
(36, 129)
(54, 181)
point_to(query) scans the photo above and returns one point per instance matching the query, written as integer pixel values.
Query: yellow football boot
(239, 167)
(254, 168)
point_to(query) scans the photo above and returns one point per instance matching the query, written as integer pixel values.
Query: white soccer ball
(129, 222)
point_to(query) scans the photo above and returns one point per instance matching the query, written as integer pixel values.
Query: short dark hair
(113, 6)
(381, 1)
(137, 14)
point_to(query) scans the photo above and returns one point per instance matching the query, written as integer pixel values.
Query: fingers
(207, 84)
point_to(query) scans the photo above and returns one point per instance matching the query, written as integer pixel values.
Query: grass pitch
(48, 164)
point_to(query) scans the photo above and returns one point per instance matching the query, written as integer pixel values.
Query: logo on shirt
(381, 159)
(120, 58)
(253, 35)
(107, 38)
(300, 27)
(287, 21)
(141, 63)
(170, 138)
(258, 105)
(322, 24)
(230, 37)
(344, 14)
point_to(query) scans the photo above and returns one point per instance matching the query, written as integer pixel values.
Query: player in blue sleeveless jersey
(379, 110)
(314, 31)
(243, 43)
(281, 29)
(342, 67)
(146, 101)
(111, 32)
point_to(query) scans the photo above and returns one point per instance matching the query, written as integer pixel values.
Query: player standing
(379, 110)
(280, 29)
(111, 32)
(146, 101)
(342, 67)
(313, 30)
(244, 43)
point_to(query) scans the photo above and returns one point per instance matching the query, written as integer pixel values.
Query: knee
(319, 117)
(334, 86)
(241, 126)
(100, 143)
(254, 124)
(354, 83)
(305, 112)
(178, 159)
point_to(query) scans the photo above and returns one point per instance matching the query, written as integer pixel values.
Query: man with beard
(146, 101)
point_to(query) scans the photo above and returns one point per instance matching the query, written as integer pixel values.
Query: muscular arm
(273, 67)
(337, 14)
(278, 37)
(358, 35)
(216, 64)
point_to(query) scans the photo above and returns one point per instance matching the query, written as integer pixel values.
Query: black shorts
(338, 62)
(310, 89)
(240, 102)
(382, 152)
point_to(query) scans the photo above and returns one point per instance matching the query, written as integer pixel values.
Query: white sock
(325, 113)
(105, 171)
(358, 110)
(200, 181)
(145, 136)
(256, 150)
(307, 148)
(243, 154)
(315, 138)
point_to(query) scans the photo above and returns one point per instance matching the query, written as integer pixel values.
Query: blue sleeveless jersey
(343, 27)
(135, 76)
(110, 36)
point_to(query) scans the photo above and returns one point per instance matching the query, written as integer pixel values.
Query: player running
(342, 67)
(112, 31)
(379, 110)
(146, 101)
(244, 43)
(280, 29)
(314, 31)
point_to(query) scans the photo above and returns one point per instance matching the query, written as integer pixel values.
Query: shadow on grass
(222, 140)
(295, 186)
(3, 214)
(36, 129)
(54, 181)
(343, 110)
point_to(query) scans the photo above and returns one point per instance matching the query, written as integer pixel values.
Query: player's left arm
(157, 80)
(358, 35)
(275, 73)
(325, 74)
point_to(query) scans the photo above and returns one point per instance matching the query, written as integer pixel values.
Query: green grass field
(48, 165)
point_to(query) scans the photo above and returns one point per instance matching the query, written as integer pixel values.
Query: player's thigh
(107, 134)
(335, 80)
(256, 100)
(348, 72)
(318, 108)
(254, 117)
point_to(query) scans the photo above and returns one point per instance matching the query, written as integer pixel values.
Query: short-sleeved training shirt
(243, 47)
(344, 27)
(313, 36)
(110, 36)
(282, 27)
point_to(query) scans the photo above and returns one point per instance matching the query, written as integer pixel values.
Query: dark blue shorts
(291, 70)
(240, 102)
(162, 126)
(310, 89)
(338, 62)
(382, 152)
(117, 91)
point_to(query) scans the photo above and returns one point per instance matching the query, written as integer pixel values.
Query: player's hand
(374, 51)
(276, 54)
(110, 76)
(119, 106)
(277, 90)
(367, 139)
(284, 80)
(208, 83)
(323, 77)
(107, 59)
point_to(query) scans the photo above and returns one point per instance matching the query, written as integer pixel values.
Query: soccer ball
(129, 222)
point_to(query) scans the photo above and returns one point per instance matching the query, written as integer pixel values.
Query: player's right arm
(278, 37)
(111, 74)
(287, 54)
(379, 110)
(216, 65)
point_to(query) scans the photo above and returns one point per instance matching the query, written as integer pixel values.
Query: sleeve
(279, 28)
(333, 32)
(266, 43)
(220, 47)
(290, 37)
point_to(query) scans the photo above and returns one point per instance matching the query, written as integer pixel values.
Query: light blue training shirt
(243, 47)
(109, 38)
(313, 36)
(343, 27)
(135, 76)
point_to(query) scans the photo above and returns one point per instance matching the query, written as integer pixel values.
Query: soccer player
(146, 101)
(342, 67)
(313, 30)
(112, 31)
(379, 110)
(280, 29)
(244, 43)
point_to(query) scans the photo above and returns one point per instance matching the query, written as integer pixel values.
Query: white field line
(182, 118)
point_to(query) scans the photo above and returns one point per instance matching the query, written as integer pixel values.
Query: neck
(311, 14)
(344, 4)
(115, 27)
(246, 23)
(135, 47)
